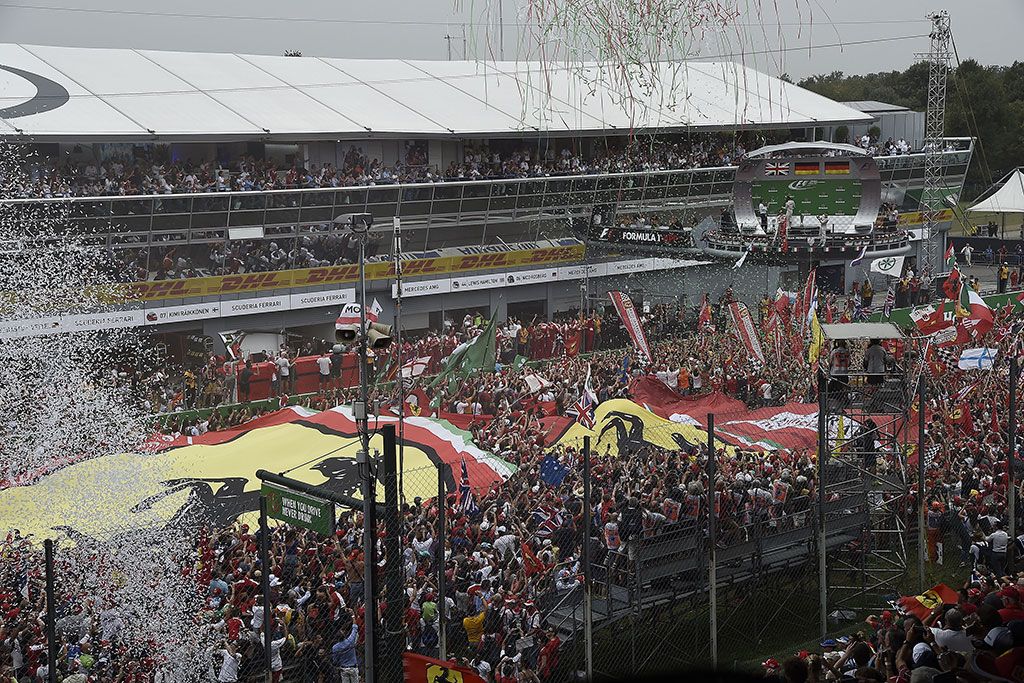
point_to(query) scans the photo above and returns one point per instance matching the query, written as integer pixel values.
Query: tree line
(986, 102)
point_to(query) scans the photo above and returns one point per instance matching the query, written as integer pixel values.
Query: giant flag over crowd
(211, 479)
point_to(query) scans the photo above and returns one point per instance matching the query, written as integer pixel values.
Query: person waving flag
(467, 503)
(587, 404)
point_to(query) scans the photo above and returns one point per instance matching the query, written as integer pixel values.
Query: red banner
(792, 426)
(745, 329)
(631, 321)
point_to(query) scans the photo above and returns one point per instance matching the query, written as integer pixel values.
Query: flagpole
(921, 499)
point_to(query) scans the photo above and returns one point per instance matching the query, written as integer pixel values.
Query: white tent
(62, 94)
(1007, 199)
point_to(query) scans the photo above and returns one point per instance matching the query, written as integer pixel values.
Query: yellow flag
(817, 339)
(840, 437)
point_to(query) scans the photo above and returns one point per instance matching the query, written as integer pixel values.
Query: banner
(349, 273)
(1009, 302)
(656, 236)
(171, 488)
(791, 426)
(421, 669)
(978, 359)
(631, 321)
(745, 329)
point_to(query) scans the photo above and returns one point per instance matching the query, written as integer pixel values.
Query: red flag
(963, 419)
(745, 329)
(782, 304)
(809, 300)
(531, 563)
(631, 321)
(929, 319)
(704, 317)
(952, 284)
(572, 343)
(921, 605)
(420, 669)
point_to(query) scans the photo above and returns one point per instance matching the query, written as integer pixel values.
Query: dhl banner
(917, 217)
(349, 273)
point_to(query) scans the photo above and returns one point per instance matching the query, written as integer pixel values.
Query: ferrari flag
(921, 605)
(420, 669)
(631, 321)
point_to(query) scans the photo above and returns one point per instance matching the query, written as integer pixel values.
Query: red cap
(1010, 592)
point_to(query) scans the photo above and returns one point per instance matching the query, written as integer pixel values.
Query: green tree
(985, 102)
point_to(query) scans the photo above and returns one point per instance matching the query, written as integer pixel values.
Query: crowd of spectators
(504, 561)
(975, 633)
(155, 173)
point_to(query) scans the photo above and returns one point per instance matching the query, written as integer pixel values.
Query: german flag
(806, 168)
(837, 168)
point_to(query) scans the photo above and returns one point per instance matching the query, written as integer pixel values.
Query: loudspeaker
(378, 336)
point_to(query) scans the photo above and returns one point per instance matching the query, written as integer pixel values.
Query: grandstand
(268, 250)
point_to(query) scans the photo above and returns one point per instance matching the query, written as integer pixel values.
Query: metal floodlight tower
(932, 198)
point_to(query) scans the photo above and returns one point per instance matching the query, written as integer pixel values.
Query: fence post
(369, 490)
(265, 584)
(712, 543)
(588, 592)
(1011, 457)
(394, 635)
(442, 524)
(922, 500)
(822, 497)
(51, 613)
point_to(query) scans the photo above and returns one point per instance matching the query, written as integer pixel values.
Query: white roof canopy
(807, 147)
(83, 94)
(1007, 199)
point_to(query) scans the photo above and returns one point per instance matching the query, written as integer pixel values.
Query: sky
(818, 36)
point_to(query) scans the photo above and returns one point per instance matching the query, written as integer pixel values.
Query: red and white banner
(631, 321)
(793, 426)
(415, 367)
(745, 330)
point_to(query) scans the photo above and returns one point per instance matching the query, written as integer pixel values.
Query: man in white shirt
(229, 667)
(997, 540)
(323, 363)
(276, 663)
(966, 253)
(284, 371)
(952, 635)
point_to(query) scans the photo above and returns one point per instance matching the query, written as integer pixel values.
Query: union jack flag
(587, 404)
(776, 169)
(549, 518)
(467, 504)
